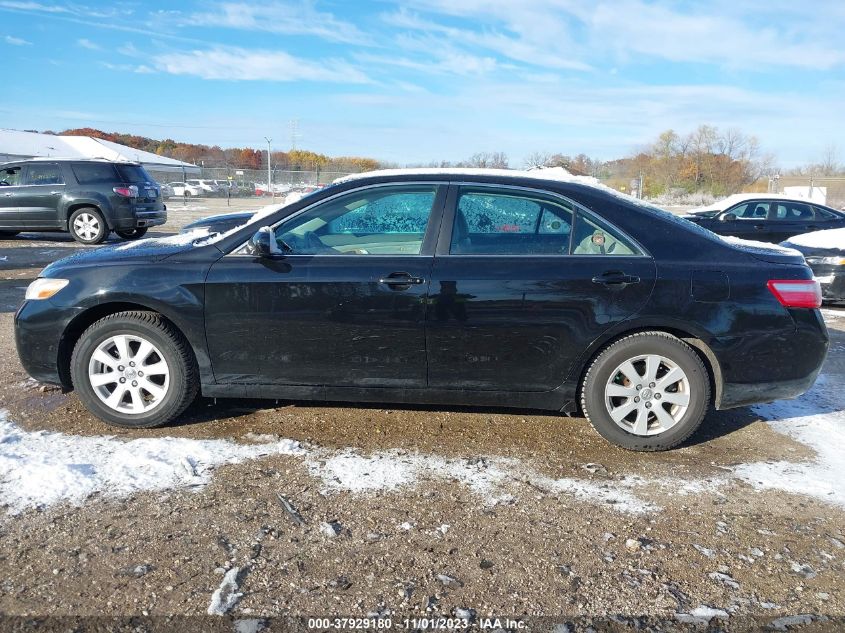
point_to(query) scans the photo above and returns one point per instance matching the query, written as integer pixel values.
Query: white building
(17, 145)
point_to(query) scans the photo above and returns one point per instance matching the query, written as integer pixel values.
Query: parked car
(183, 189)
(824, 252)
(766, 217)
(166, 191)
(227, 221)
(467, 287)
(206, 187)
(87, 198)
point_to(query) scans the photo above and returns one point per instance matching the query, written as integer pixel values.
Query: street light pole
(269, 184)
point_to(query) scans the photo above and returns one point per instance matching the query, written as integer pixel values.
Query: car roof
(724, 203)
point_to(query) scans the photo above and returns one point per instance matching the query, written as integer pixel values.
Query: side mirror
(263, 243)
(728, 217)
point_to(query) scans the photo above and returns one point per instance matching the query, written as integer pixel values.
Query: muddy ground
(726, 553)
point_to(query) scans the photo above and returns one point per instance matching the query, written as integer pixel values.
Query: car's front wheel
(87, 226)
(132, 234)
(134, 369)
(647, 392)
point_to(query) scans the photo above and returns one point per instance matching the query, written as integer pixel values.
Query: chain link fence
(281, 180)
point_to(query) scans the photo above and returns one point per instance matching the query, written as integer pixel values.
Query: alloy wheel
(647, 394)
(129, 374)
(86, 226)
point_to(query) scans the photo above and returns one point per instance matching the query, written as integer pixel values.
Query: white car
(185, 189)
(207, 187)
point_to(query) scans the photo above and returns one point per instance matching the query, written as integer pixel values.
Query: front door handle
(401, 281)
(8, 195)
(55, 193)
(759, 227)
(615, 278)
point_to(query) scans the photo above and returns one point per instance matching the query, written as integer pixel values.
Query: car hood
(698, 214)
(223, 219)
(150, 250)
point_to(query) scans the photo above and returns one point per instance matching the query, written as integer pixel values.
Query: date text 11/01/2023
(418, 624)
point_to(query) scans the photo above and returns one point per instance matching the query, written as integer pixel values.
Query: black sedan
(766, 217)
(825, 254)
(452, 287)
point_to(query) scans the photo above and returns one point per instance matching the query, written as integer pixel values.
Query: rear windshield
(92, 173)
(133, 173)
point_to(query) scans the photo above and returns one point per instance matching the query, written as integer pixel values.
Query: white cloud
(289, 18)
(237, 64)
(730, 34)
(85, 43)
(16, 41)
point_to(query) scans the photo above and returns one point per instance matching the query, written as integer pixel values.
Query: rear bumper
(141, 219)
(772, 366)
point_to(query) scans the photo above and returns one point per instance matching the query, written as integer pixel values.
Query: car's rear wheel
(132, 234)
(646, 392)
(87, 226)
(134, 369)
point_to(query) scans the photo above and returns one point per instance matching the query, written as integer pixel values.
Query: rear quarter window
(94, 173)
(133, 173)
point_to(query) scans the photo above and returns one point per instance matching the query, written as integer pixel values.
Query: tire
(7, 234)
(636, 401)
(87, 226)
(132, 234)
(171, 383)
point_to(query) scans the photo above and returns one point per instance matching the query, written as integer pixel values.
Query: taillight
(127, 192)
(797, 293)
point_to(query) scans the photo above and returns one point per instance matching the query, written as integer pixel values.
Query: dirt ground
(724, 552)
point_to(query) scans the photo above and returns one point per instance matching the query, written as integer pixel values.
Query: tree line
(707, 160)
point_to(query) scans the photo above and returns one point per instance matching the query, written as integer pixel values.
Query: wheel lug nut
(648, 405)
(132, 363)
(651, 385)
(134, 383)
(639, 387)
(120, 368)
(140, 373)
(122, 380)
(636, 398)
(657, 396)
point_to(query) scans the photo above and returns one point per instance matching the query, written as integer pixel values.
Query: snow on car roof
(558, 174)
(724, 203)
(830, 239)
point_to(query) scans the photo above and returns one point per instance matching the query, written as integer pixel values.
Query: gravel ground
(493, 513)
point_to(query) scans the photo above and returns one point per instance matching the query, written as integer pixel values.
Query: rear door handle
(759, 227)
(615, 278)
(397, 280)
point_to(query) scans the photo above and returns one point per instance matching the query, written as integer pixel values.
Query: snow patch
(180, 239)
(816, 419)
(831, 239)
(43, 468)
(226, 595)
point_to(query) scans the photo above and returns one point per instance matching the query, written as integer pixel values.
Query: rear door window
(795, 211)
(502, 222)
(43, 174)
(94, 173)
(595, 237)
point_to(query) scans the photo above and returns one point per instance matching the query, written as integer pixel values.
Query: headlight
(43, 288)
(832, 261)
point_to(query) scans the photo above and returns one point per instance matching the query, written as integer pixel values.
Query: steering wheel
(306, 244)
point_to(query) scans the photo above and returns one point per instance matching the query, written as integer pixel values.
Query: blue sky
(419, 80)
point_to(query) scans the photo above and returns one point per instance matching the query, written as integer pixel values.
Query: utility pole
(269, 184)
(294, 133)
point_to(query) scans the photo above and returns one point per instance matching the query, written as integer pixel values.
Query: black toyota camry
(429, 286)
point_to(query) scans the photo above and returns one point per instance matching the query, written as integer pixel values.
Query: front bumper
(832, 280)
(39, 328)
